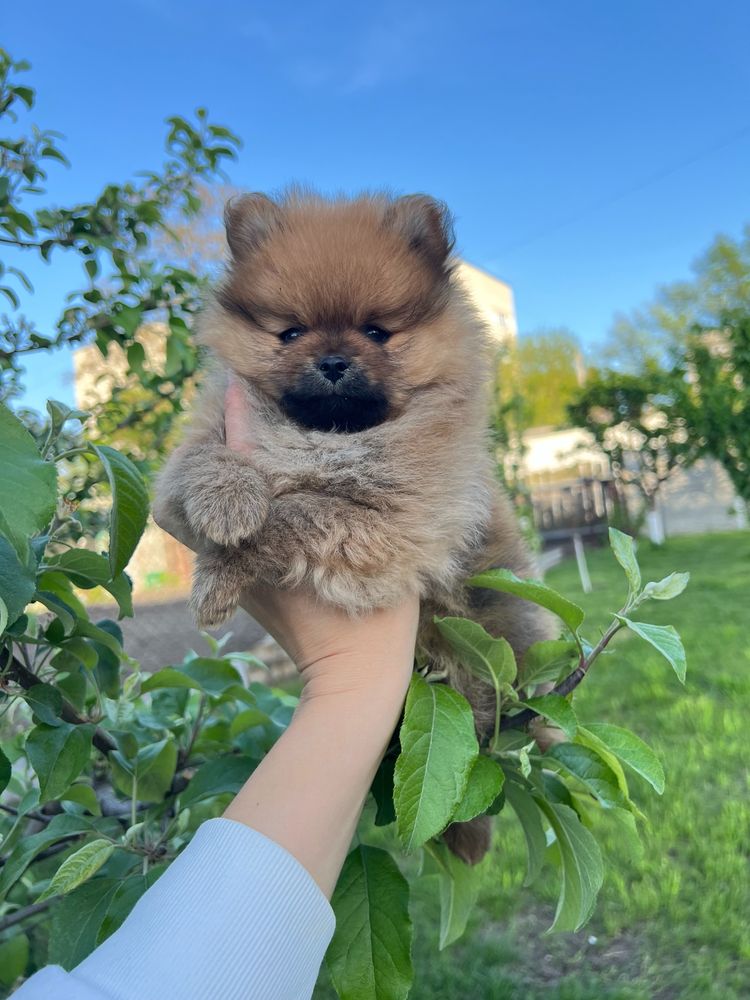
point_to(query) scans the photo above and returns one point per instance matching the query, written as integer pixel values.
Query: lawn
(673, 919)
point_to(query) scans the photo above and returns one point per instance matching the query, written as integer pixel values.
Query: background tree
(635, 420)
(653, 332)
(547, 369)
(127, 280)
(713, 380)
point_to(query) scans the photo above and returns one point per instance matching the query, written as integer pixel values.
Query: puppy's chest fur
(416, 490)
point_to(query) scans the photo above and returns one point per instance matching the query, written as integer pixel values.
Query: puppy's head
(336, 308)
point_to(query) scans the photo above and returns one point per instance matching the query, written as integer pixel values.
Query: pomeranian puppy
(371, 476)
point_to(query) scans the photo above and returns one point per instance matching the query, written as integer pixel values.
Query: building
(493, 299)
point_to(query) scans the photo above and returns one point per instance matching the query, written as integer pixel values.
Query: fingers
(238, 418)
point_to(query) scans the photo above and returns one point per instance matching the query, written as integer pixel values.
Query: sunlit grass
(673, 919)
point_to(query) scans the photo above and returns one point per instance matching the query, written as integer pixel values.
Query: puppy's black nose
(333, 367)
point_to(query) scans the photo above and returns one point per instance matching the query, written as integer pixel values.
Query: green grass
(673, 919)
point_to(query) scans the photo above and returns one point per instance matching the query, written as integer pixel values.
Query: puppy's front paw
(229, 509)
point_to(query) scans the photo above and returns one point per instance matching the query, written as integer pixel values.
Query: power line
(625, 192)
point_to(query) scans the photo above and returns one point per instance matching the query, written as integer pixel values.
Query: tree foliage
(635, 420)
(545, 367)
(713, 394)
(663, 326)
(126, 281)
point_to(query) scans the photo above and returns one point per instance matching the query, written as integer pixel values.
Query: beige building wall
(493, 298)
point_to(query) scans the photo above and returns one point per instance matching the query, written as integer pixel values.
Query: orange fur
(407, 500)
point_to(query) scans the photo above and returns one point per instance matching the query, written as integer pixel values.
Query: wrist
(375, 677)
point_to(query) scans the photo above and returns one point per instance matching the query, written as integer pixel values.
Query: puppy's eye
(376, 333)
(291, 334)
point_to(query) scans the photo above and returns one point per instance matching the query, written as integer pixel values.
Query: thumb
(238, 418)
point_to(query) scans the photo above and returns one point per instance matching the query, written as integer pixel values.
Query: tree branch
(25, 678)
(23, 914)
(567, 684)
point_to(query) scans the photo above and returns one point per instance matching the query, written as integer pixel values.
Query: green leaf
(78, 868)
(23, 854)
(488, 658)
(369, 957)
(665, 639)
(169, 677)
(483, 787)
(459, 888)
(531, 590)
(60, 413)
(17, 579)
(582, 868)
(46, 702)
(632, 751)
(129, 506)
(215, 777)
(438, 749)
(527, 810)
(5, 771)
(130, 891)
(77, 920)
(58, 607)
(586, 738)
(58, 754)
(87, 569)
(14, 958)
(212, 676)
(623, 547)
(586, 765)
(54, 583)
(152, 769)
(26, 476)
(557, 709)
(548, 660)
(246, 719)
(136, 357)
(81, 650)
(668, 588)
(83, 795)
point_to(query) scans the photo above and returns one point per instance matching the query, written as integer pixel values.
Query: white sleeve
(234, 916)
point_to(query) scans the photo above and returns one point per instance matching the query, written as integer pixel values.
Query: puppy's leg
(222, 496)
(219, 577)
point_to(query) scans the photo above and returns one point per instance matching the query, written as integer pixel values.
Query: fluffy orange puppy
(365, 367)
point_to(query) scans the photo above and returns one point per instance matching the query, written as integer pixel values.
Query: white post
(655, 526)
(583, 570)
(740, 511)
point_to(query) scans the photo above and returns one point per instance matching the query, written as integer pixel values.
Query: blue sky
(589, 150)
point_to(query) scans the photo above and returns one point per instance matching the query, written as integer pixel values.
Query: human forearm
(308, 793)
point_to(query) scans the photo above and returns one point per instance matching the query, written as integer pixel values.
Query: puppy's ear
(425, 223)
(249, 219)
